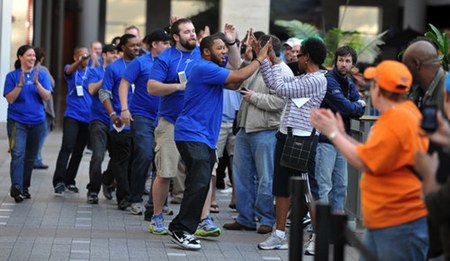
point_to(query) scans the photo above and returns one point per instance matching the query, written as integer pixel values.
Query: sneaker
(26, 194)
(310, 245)
(185, 240)
(136, 209)
(124, 204)
(14, 192)
(207, 228)
(59, 190)
(107, 191)
(156, 226)
(167, 211)
(92, 198)
(274, 242)
(72, 188)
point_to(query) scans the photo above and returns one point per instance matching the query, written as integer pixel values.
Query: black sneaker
(107, 191)
(124, 204)
(59, 190)
(92, 198)
(26, 194)
(14, 192)
(185, 240)
(72, 188)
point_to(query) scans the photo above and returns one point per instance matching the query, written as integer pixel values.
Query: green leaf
(439, 39)
(298, 29)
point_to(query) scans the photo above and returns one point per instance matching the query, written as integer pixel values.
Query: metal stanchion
(298, 186)
(338, 228)
(323, 223)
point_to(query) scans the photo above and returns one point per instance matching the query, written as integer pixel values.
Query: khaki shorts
(167, 157)
(226, 139)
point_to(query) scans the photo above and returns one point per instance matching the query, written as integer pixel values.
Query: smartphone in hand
(429, 117)
(243, 90)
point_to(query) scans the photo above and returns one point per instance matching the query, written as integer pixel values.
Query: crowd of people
(166, 105)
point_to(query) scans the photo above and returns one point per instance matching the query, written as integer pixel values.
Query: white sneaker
(274, 242)
(136, 209)
(310, 246)
(185, 240)
(227, 190)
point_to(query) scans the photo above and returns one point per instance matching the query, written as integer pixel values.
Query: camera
(429, 117)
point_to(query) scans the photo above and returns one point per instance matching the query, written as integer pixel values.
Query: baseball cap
(392, 76)
(293, 42)
(108, 48)
(157, 35)
(124, 39)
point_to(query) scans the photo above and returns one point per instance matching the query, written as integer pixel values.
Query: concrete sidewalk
(67, 228)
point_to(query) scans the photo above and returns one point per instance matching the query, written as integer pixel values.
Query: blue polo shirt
(28, 108)
(138, 72)
(78, 107)
(98, 112)
(165, 70)
(113, 75)
(201, 116)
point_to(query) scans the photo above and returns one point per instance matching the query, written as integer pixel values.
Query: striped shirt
(309, 85)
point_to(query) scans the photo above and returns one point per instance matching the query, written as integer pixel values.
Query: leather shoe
(264, 229)
(236, 226)
(43, 166)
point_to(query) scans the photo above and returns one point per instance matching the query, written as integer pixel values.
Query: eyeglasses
(300, 55)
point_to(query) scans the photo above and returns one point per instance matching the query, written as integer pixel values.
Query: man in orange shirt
(393, 210)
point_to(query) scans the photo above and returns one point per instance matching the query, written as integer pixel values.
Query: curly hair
(315, 48)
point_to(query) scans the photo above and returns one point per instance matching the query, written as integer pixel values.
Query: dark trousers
(99, 137)
(199, 160)
(75, 138)
(121, 148)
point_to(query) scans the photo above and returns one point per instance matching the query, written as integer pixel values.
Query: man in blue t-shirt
(99, 129)
(197, 130)
(76, 122)
(141, 114)
(121, 141)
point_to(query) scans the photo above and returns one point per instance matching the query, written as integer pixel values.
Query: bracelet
(124, 110)
(260, 63)
(233, 43)
(333, 135)
(112, 114)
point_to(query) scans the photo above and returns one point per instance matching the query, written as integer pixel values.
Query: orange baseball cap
(392, 76)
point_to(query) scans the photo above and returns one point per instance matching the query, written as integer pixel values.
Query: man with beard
(164, 81)
(197, 130)
(121, 141)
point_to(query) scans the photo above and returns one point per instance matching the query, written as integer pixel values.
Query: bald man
(421, 58)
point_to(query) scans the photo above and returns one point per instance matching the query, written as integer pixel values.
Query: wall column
(414, 15)
(5, 50)
(89, 22)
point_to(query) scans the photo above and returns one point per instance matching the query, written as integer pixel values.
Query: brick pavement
(54, 228)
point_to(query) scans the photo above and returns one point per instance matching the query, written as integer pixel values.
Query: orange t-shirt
(390, 192)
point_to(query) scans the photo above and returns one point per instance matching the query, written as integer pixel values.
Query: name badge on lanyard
(80, 90)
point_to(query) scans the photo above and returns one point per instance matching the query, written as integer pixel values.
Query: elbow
(151, 88)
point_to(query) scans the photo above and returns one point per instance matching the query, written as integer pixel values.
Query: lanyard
(82, 78)
(188, 60)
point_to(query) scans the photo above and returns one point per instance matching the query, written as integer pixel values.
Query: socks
(280, 233)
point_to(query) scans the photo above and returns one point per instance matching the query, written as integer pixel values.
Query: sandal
(214, 209)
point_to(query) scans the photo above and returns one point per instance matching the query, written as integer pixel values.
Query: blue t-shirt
(202, 111)
(165, 70)
(138, 72)
(28, 108)
(78, 107)
(231, 103)
(113, 75)
(98, 112)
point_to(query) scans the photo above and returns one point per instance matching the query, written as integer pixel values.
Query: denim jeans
(142, 130)
(253, 169)
(38, 161)
(24, 144)
(331, 176)
(405, 242)
(75, 138)
(121, 148)
(199, 160)
(99, 137)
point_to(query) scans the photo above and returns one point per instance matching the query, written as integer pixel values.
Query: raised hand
(36, 75)
(230, 33)
(264, 52)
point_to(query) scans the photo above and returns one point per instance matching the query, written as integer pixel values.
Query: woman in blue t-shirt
(26, 89)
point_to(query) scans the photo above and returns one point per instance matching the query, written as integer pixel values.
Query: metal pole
(339, 224)
(323, 224)
(298, 186)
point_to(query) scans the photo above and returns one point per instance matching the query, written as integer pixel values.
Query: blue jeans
(142, 131)
(38, 161)
(24, 144)
(408, 242)
(331, 176)
(253, 169)
(99, 137)
(199, 160)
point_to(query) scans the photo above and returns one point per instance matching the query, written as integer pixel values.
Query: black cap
(124, 39)
(157, 35)
(108, 48)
